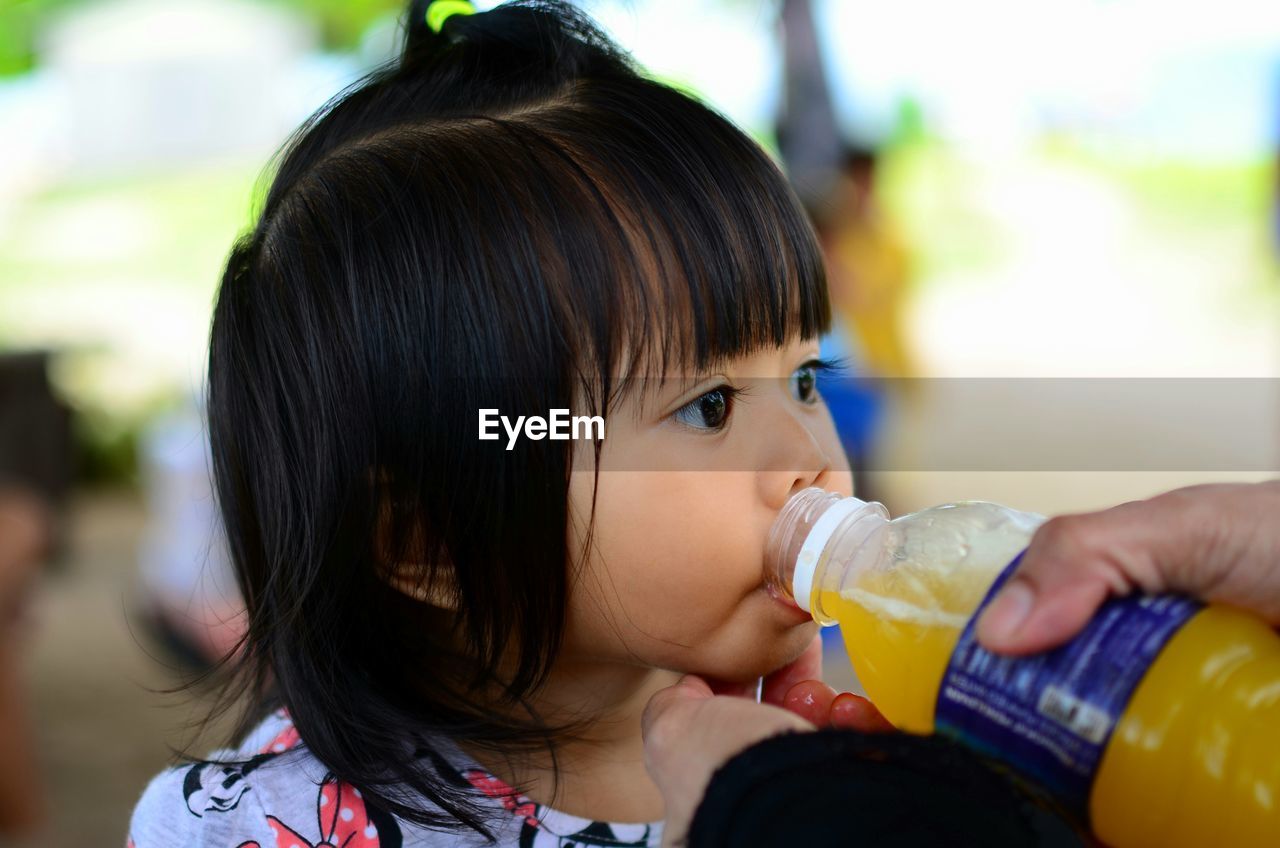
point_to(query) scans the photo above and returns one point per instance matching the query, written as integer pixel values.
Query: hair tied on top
(427, 21)
(440, 11)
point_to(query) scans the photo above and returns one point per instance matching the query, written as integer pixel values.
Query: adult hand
(1218, 542)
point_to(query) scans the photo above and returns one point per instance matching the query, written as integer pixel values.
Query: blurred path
(102, 732)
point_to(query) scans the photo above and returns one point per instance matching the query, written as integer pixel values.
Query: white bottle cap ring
(807, 559)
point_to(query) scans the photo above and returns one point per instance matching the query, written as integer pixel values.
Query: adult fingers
(1216, 542)
(808, 666)
(857, 713)
(811, 700)
(1072, 564)
(819, 704)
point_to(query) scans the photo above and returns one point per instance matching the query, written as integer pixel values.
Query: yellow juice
(902, 618)
(1195, 758)
(899, 652)
(1193, 761)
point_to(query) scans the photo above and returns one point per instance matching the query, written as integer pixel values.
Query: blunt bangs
(624, 225)
(713, 256)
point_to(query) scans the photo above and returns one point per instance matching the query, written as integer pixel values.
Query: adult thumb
(1218, 542)
(1072, 564)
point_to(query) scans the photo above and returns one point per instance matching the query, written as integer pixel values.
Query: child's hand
(689, 732)
(691, 729)
(1219, 543)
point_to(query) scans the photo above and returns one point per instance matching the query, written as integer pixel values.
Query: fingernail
(1007, 612)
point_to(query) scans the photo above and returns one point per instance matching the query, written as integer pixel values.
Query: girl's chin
(785, 650)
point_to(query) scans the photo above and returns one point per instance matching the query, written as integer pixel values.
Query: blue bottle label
(1049, 715)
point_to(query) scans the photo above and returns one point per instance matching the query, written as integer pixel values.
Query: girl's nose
(797, 459)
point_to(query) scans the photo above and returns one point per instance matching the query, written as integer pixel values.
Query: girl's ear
(421, 581)
(413, 580)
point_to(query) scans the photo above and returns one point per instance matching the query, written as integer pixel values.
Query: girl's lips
(791, 607)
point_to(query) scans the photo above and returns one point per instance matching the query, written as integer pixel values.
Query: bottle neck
(800, 535)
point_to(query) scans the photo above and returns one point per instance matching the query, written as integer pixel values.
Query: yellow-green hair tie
(441, 10)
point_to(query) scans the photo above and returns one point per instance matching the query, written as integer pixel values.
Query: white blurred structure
(184, 566)
(171, 81)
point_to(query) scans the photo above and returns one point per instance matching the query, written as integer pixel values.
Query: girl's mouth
(788, 604)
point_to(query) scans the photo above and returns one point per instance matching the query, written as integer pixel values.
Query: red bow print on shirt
(511, 800)
(344, 822)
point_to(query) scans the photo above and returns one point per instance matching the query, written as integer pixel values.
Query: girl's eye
(804, 383)
(709, 411)
(804, 380)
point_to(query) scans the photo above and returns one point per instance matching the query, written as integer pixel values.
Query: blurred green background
(1036, 198)
(340, 24)
(1082, 188)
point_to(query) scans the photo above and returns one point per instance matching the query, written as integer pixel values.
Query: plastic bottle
(1159, 723)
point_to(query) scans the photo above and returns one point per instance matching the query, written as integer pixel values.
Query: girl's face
(691, 479)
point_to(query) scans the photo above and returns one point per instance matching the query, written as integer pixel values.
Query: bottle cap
(819, 535)
(801, 533)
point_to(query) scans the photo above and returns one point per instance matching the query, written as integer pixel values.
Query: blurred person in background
(809, 145)
(868, 266)
(868, 276)
(34, 475)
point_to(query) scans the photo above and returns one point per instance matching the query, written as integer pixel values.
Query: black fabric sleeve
(839, 787)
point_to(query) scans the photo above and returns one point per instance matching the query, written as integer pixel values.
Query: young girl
(453, 637)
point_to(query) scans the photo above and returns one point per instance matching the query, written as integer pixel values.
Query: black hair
(507, 216)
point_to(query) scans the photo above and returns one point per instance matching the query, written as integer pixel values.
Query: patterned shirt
(270, 800)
